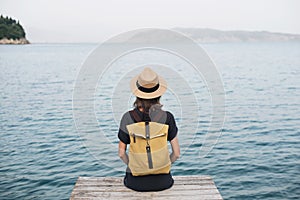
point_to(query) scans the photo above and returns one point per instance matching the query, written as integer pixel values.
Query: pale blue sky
(95, 21)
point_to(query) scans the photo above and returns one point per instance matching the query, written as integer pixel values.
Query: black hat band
(147, 90)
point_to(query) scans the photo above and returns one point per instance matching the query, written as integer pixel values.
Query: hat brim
(145, 95)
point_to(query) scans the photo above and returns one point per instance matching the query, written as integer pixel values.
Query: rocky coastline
(14, 41)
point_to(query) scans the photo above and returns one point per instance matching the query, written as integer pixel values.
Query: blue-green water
(257, 156)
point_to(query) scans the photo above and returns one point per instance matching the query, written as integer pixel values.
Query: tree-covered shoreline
(11, 31)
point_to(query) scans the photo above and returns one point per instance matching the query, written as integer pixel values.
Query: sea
(256, 154)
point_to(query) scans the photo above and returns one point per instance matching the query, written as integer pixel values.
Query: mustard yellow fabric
(138, 160)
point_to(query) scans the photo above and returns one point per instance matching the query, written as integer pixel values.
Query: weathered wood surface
(185, 188)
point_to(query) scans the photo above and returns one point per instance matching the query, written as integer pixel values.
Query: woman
(150, 171)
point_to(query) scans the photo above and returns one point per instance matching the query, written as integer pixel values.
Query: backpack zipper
(142, 136)
(133, 138)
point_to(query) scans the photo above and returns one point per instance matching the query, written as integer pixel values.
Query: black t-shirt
(129, 119)
(155, 182)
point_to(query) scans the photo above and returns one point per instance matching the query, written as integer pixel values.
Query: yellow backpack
(148, 152)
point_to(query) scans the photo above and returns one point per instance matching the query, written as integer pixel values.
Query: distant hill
(203, 35)
(212, 35)
(11, 31)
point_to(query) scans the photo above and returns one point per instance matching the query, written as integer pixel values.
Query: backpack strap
(159, 115)
(148, 148)
(135, 115)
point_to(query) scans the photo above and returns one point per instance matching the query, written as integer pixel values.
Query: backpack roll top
(148, 153)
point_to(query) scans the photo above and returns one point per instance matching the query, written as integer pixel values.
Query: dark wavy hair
(145, 104)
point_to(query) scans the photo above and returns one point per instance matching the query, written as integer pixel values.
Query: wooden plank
(156, 198)
(102, 183)
(173, 193)
(120, 179)
(147, 196)
(122, 188)
(185, 187)
(187, 178)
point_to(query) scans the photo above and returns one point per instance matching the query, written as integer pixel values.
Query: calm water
(257, 156)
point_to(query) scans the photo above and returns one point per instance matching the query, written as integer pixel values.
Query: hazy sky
(95, 21)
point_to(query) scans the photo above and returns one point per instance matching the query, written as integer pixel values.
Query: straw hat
(148, 85)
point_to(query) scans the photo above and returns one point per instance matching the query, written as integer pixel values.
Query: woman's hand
(175, 150)
(122, 152)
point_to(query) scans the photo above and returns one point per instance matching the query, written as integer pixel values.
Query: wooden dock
(185, 187)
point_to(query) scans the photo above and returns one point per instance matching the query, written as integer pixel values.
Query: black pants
(155, 182)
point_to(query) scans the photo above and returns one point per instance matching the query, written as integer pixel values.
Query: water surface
(257, 156)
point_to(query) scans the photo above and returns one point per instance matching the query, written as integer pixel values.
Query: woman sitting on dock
(147, 129)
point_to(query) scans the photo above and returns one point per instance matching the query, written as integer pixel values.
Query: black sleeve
(172, 126)
(123, 137)
(123, 133)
